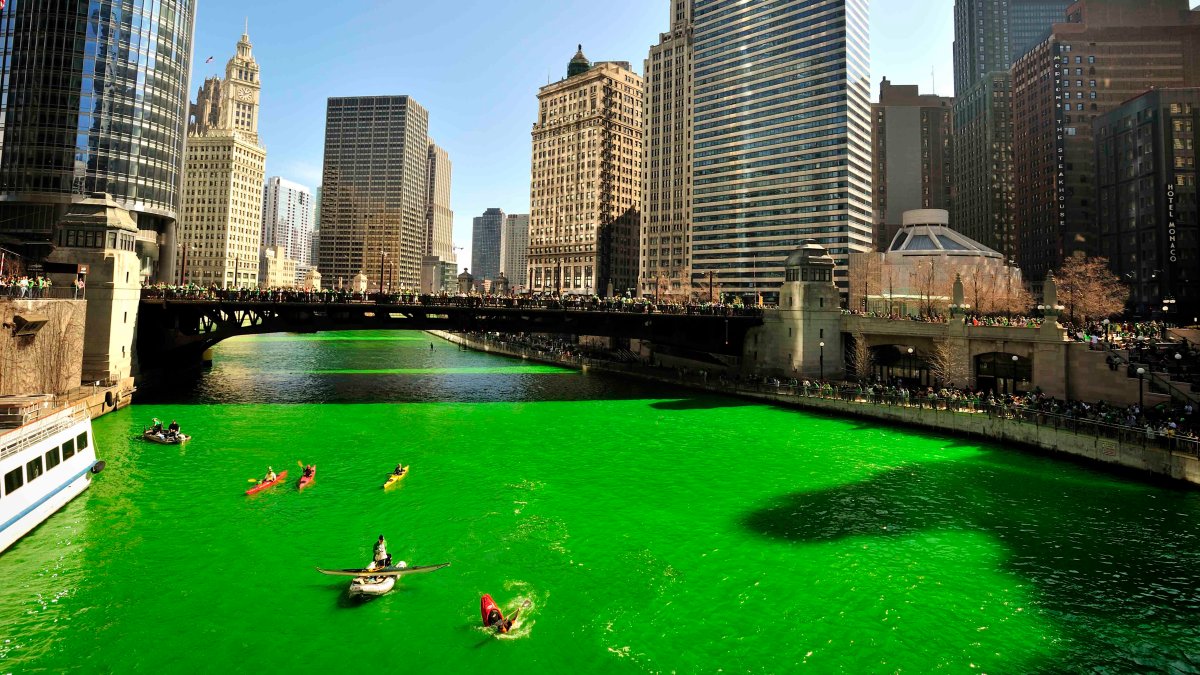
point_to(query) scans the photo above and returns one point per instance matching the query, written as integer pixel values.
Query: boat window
(12, 481)
(68, 450)
(81, 441)
(33, 469)
(52, 458)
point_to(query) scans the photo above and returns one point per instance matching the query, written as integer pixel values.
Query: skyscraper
(288, 221)
(487, 236)
(81, 112)
(221, 220)
(667, 159)
(989, 35)
(586, 190)
(1106, 53)
(913, 164)
(781, 138)
(439, 218)
(514, 250)
(373, 192)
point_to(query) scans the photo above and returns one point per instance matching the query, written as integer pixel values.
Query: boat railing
(38, 431)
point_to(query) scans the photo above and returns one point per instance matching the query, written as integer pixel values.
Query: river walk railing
(853, 394)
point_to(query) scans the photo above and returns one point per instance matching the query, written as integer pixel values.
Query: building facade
(439, 218)
(487, 236)
(1146, 197)
(585, 191)
(220, 225)
(989, 35)
(1108, 52)
(913, 160)
(93, 99)
(982, 183)
(514, 250)
(781, 138)
(666, 231)
(288, 222)
(373, 191)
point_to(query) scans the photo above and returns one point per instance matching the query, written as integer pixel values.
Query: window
(81, 441)
(33, 469)
(52, 458)
(12, 481)
(68, 450)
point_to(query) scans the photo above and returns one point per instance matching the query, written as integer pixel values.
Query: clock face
(246, 94)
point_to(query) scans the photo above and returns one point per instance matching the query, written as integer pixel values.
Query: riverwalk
(1136, 451)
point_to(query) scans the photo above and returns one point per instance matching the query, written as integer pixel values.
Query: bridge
(175, 332)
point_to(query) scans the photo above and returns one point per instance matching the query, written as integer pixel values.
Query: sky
(476, 65)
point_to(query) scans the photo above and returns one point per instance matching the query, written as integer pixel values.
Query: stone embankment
(1134, 452)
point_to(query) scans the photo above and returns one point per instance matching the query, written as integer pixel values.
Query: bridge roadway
(174, 331)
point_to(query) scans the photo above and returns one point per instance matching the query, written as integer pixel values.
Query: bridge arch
(1003, 373)
(908, 364)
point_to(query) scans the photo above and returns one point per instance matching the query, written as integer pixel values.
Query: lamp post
(822, 361)
(908, 364)
(1141, 401)
(1106, 330)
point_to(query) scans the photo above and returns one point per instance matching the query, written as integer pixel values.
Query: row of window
(36, 467)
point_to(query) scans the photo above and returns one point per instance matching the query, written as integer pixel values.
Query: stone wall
(49, 362)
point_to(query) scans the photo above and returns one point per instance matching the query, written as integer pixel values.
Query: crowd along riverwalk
(1129, 448)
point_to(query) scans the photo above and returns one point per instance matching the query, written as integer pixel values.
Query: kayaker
(399, 470)
(381, 553)
(173, 427)
(157, 426)
(270, 475)
(308, 469)
(495, 620)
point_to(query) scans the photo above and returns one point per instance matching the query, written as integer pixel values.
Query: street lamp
(1141, 401)
(822, 361)
(1106, 330)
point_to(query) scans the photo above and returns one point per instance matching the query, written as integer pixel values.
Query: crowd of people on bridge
(25, 286)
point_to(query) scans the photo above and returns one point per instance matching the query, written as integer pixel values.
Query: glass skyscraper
(93, 98)
(781, 137)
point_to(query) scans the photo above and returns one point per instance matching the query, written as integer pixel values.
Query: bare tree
(56, 349)
(1089, 290)
(864, 360)
(948, 364)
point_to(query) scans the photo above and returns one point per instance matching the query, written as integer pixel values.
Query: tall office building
(288, 222)
(316, 238)
(1107, 52)
(1146, 197)
(220, 223)
(514, 250)
(781, 138)
(373, 190)
(93, 98)
(439, 218)
(586, 189)
(666, 236)
(487, 235)
(988, 36)
(911, 134)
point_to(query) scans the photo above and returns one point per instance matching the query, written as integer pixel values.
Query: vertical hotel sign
(1060, 132)
(1172, 226)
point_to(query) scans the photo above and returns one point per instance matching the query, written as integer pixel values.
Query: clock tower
(242, 89)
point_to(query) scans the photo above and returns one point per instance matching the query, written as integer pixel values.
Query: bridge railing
(616, 305)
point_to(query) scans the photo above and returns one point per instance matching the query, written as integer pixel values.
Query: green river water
(647, 528)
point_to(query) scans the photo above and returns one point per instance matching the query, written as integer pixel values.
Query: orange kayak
(305, 481)
(279, 478)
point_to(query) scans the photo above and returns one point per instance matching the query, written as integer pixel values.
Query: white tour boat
(47, 457)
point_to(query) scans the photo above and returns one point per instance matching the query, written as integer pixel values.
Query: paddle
(252, 480)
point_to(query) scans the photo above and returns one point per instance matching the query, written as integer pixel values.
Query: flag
(209, 60)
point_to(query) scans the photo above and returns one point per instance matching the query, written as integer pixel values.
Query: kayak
(394, 478)
(372, 586)
(279, 478)
(393, 571)
(305, 481)
(487, 606)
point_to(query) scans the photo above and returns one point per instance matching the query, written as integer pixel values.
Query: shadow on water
(1107, 558)
(705, 403)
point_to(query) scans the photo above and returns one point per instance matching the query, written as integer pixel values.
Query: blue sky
(476, 66)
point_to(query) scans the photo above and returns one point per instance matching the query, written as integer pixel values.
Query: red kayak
(279, 478)
(307, 479)
(492, 617)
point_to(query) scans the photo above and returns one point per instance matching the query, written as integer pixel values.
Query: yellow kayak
(396, 478)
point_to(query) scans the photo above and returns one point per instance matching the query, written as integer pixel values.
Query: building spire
(246, 32)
